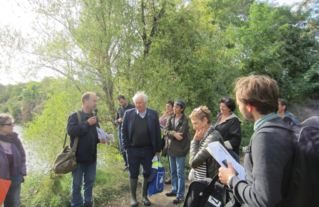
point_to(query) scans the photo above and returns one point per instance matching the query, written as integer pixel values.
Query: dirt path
(157, 200)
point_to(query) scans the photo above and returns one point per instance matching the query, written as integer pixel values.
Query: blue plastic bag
(157, 184)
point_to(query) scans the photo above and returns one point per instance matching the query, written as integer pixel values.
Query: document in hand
(102, 135)
(4, 187)
(221, 155)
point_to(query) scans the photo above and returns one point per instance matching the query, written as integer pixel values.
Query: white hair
(139, 94)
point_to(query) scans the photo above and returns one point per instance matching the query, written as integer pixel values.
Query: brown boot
(168, 181)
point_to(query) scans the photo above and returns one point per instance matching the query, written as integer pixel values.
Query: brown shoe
(168, 181)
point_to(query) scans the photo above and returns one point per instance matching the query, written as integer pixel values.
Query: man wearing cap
(178, 144)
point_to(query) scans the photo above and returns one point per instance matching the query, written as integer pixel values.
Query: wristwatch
(229, 179)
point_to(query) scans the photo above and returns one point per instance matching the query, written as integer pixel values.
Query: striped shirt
(201, 171)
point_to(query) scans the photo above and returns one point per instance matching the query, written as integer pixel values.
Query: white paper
(102, 135)
(155, 159)
(221, 155)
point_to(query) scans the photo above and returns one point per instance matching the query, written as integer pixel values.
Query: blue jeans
(137, 156)
(13, 196)
(88, 172)
(121, 147)
(177, 165)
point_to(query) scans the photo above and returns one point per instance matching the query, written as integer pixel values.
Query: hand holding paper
(103, 136)
(222, 156)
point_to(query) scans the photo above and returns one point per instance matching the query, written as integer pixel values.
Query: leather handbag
(65, 161)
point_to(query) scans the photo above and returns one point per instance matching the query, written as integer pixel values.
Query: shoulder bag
(65, 162)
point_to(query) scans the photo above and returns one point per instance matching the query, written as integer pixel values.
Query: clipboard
(221, 155)
(4, 188)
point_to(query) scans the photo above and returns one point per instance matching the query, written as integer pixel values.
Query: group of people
(174, 124)
(140, 138)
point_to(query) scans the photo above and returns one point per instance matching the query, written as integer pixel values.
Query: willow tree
(86, 41)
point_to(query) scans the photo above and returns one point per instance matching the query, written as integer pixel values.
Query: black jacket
(88, 138)
(120, 114)
(196, 158)
(153, 124)
(230, 130)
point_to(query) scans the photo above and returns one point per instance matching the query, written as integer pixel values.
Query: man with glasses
(86, 150)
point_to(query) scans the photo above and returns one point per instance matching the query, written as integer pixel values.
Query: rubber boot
(133, 185)
(144, 192)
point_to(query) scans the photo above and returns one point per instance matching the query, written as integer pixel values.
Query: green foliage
(272, 44)
(54, 190)
(166, 48)
(48, 128)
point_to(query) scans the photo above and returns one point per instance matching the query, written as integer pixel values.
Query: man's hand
(225, 173)
(102, 141)
(120, 120)
(178, 136)
(92, 120)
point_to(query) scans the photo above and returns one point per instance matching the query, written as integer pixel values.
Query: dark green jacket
(174, 147)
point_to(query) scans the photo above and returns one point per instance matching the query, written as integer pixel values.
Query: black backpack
(209, 193)
(304, 179)
(304, 185)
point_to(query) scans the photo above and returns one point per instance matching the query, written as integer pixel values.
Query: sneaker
(170, 194)
(178, 200)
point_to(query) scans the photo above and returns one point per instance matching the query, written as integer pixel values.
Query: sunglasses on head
(226, 99)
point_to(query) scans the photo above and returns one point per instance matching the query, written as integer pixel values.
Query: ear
(250, 107)
(205, 119)
(284, 107)
(182, 109)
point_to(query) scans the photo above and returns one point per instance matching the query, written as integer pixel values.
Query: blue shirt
(294, 119)
(141, 115)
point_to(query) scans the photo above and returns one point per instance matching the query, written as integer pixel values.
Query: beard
(247, 116)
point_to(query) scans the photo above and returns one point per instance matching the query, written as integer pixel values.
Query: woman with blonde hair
(200, 159)
(12, 160)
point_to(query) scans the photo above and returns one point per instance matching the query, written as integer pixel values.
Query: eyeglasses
(7, 124)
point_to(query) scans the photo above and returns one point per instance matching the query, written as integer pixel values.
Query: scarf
(208, 132)
(264, 119)
(6, 138)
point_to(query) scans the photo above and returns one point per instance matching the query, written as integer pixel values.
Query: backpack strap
(75, 144)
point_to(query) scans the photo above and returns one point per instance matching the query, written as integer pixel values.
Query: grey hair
(139, 94)
(4, 118)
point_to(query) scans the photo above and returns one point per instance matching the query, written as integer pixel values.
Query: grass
(41, 190)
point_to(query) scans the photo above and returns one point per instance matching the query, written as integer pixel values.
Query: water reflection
(31, 159)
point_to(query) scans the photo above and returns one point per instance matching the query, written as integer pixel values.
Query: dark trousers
(137, 156)
(13, 196)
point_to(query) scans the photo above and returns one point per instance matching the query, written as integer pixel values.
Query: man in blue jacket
(141, 139)
(86, 150)
(283, 112)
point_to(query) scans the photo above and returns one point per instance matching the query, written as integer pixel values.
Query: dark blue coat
(88, 138)
(154, 127)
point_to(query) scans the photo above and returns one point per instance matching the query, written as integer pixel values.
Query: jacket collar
(232, 115)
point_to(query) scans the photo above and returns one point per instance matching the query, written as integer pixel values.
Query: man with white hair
(141, 139)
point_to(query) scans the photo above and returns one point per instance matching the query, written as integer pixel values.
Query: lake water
(33, 164)
(31, 159)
